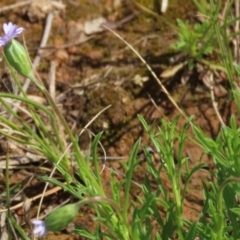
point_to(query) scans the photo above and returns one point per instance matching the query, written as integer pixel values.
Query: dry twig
(15, 5)
(215, 105)
(151, 71)
(52, 79)
(69, 146)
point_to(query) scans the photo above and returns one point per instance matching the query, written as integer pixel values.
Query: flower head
(17, 57)
(61, 217)
(14, 52)
(39, 228)
(11, 31)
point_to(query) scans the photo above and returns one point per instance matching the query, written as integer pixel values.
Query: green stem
(115, 206)
(220, 215)
(224, 46)
(84, 166)
(178, 216)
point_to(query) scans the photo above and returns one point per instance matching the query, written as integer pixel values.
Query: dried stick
(151, 71)
(52, 79)
(15, 5)
(69, 146)
(47, 193)
(43, 43)
(215, 105)
(236, 28)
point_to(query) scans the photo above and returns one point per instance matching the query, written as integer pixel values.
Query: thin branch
(151, 71)
(69, 146)
(214, 103)
(43, 43)
(15, 5)
(47, 193)
(52, 79)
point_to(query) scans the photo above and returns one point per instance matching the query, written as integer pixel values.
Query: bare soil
(97, 70)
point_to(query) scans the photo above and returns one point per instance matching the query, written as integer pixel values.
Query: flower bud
(61, 217)
(17, 57)
(39, 228)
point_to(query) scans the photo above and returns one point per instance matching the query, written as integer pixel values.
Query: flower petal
(40, 231)
(19, 30)
(39, 228)
(2, 42)
(7, 27)
(37, 222)
(11, 31)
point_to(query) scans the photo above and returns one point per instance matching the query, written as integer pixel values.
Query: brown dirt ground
(105, 69)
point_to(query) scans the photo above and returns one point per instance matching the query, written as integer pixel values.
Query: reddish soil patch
(101, 71)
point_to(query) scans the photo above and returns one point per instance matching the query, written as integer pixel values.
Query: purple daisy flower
(11, 31)
(39, 228)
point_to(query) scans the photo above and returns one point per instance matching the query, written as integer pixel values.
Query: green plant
(195, 41)
(120, 216)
